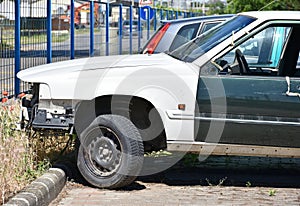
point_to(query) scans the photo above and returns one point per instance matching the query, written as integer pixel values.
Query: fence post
(91, 28)
(72, 30)
(107, 29)
(17, 45)
(148, 23)
(49, 30)
(130, 29)
(120, 28)
(167, 14)
(154, 20)
(161, 14)
(140, 29)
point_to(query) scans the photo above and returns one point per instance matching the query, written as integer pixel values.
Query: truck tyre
(111, 152)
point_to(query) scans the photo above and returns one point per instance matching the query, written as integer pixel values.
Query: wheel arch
(144, 115)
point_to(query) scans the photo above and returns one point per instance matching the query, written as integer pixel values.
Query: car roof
(203, 18)
(256, 14)
(277, 15)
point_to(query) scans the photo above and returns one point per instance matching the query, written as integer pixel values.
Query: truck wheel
(111, 152)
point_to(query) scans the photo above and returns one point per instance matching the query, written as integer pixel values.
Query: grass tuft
(23, 157)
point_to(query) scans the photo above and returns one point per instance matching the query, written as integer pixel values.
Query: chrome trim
(248, 121)
(182, 115)
(175, 114)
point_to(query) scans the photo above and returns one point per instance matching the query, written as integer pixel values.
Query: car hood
(85, 79)
(70, 69)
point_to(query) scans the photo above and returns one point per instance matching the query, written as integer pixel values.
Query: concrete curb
(41, 191)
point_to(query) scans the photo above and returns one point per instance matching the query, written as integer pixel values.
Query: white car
(195, 99)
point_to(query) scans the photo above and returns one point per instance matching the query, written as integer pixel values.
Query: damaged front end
(41, 113)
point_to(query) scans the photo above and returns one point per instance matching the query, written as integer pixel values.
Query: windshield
(202, 44)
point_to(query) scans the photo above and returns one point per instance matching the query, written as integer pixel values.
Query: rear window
(185, 34)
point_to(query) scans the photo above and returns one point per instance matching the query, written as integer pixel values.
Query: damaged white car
(232, 91)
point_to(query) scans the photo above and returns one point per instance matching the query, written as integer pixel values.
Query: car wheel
(111, 152)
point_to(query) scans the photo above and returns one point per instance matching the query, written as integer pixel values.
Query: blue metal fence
(7, 42)
(39, 32)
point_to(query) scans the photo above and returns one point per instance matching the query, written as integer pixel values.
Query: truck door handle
(288, 92)
(293, 94)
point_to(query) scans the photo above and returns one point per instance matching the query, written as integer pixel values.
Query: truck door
(262, 103)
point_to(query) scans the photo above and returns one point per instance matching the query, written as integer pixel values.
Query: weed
(272, 192)
(22, 158)
(160, 153)
(248, 184)
(209, 183)
(190, 159)
(221, 182)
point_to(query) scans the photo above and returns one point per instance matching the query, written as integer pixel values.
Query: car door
(260, 107)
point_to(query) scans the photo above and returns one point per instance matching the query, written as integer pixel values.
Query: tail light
(150, 48)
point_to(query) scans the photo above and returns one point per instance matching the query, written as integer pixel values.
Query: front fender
(165, 89)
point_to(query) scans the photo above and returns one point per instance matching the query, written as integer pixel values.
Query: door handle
(288, 92)
(292, 94)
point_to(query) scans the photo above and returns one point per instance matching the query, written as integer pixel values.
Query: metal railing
(38, 32)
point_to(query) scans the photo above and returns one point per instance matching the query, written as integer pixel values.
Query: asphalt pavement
(216, 181)
(193, 186)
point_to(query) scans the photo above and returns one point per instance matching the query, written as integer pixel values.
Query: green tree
(236, 6)
(215, 7)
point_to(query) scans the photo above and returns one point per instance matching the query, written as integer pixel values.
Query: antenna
(267, 5)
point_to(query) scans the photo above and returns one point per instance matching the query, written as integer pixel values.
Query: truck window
(263, 49)
(260, 54)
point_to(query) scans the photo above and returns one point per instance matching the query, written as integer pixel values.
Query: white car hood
(91, 77)
(69, 69)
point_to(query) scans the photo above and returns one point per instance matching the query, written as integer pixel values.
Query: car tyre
(111, 152)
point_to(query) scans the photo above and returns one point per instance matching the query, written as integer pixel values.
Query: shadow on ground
(277, 173)
(227, 177)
